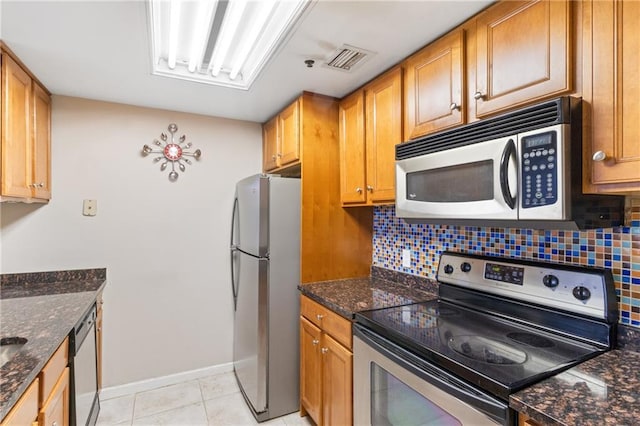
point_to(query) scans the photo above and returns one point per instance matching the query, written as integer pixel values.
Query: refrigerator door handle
(234, 248)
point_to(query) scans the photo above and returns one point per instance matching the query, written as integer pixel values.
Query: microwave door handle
(509, 151)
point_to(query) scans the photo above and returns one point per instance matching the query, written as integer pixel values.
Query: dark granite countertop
(42, 308)
(382, 289)
(601, 391)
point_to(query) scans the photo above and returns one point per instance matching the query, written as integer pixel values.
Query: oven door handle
(429, 372)
(508, 153)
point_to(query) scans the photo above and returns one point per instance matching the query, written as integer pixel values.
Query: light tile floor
(214, 400)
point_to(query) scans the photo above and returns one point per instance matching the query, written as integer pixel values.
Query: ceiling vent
(347, 58)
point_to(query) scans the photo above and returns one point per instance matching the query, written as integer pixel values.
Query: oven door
(394, 387)
(477, 181)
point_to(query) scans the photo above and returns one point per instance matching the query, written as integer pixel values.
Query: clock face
(172, 152)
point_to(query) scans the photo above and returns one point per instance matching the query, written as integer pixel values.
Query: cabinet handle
(359, 190)
(319, 316)
(273, 157)
(478, 95)
(599, 156)
(454, 106)
(54, 424)
(315, 342)
(324, 350)
(369, 188)
(279, 155)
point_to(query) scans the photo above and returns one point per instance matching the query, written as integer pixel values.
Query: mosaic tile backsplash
(617, 249)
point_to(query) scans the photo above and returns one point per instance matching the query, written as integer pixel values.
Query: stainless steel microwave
(523, 167)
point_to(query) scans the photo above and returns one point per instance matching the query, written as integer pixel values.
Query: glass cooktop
(496, 354)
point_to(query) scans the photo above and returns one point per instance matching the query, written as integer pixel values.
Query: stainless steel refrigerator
(265, 273)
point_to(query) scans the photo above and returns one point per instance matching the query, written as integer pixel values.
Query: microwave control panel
(539, 165)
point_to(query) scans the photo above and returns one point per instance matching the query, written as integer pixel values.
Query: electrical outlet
(89, 207)
(406, 258)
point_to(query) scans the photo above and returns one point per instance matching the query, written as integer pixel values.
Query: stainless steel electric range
(498, 325)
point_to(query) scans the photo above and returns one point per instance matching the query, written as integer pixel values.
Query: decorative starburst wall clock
(173, 153)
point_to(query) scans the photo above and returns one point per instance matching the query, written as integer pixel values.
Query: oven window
(394, 403)
(454, 184)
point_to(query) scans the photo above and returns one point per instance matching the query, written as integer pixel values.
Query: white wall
(168, 303)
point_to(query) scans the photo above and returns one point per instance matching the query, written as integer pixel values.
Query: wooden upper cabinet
(523, 54)
(25, 151)
(611, 67)
(289, 123)
(370, 127)
(281, 139)
(434, 86)
(16, 130)
(41, 143)
(383, 120)
(352, 149)
(270, 145)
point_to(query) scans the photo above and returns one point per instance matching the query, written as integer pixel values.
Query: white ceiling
(100, 50)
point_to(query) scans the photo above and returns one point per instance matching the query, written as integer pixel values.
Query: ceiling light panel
(187, 45)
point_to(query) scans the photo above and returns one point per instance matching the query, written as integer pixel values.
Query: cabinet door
(41, 143)
(383, 133)
(289, 128)
(16, 130)
(310, 370)
(55, 411)
(270, 145)
(25, 410)
(337, 381)
(615, 103)
(434, 87)
(352, 149)
(523, 54)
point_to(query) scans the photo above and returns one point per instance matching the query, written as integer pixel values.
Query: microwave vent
(347, 58)
(549, 113)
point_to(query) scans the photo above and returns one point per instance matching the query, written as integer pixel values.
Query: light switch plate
(406, 258)
(89, 207)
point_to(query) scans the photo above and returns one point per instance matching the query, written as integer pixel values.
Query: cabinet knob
(478, 95)
(324, 350)
(279, 155)
(454, 106)
(315, 342)
(54, 424)
(273, 157)
(369, 188)
(319, 316)
(359, 190)
(599, 156)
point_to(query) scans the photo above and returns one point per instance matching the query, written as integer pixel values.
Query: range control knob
(448, 269)
(581, 293)
(466, 266)
(550, 281)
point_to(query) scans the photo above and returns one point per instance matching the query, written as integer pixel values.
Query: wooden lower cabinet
(337, 383)
(524, 420)
(25, 411)
(310, 370)
(55, 411)
(326, 366)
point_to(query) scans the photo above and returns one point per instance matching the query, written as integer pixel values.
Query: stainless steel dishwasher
(85, 404)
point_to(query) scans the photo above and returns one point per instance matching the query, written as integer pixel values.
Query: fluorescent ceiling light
(221, 42)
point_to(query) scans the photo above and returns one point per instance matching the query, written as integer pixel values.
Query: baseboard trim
(158, 382)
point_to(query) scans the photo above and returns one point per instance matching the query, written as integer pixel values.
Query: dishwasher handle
(83, 328)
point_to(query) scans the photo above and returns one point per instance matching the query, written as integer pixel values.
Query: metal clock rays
(173, 153)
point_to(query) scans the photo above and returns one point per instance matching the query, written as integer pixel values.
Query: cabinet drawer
(25, 412)
(53, 370)
(330, 322)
